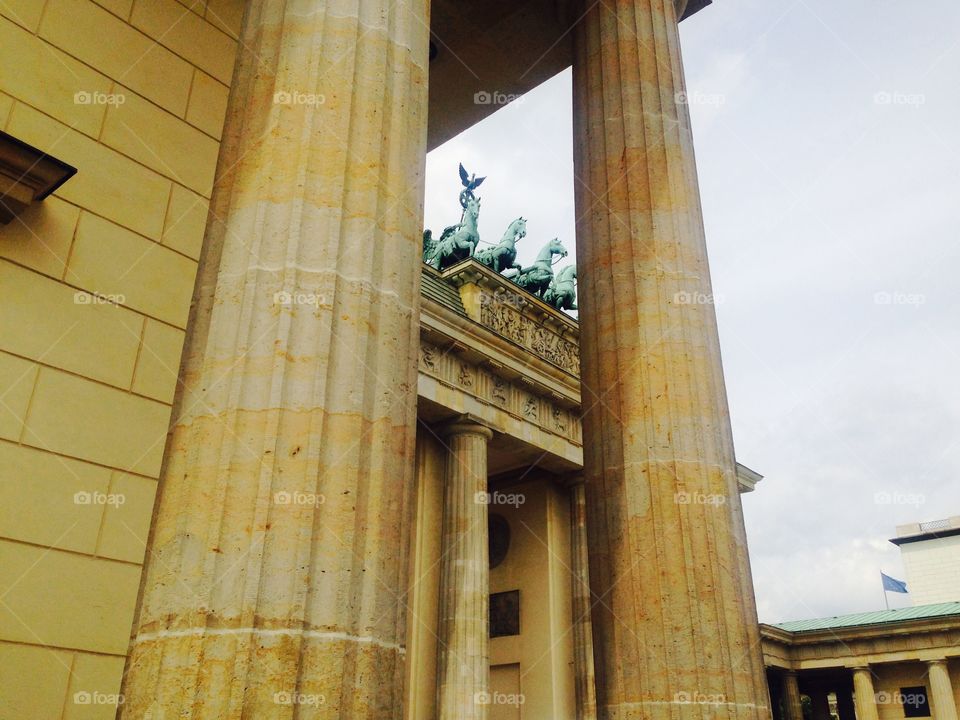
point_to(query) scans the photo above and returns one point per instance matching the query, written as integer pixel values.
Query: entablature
(925, 639)
(490, 348)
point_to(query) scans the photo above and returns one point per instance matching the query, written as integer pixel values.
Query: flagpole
(886, 600)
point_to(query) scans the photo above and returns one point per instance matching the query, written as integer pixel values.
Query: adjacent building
(883, 665)
(931, 556)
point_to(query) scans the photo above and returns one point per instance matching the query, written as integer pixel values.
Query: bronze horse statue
(457, 242)
(536, 278)
(562, 292)
(504, 255)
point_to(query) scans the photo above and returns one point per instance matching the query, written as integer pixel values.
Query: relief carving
(558, 421)
(499, 390)
(485, 385)
(530, 407)
(507, 321)
(428, 356)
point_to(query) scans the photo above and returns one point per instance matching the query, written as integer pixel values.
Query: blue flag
(892, 584)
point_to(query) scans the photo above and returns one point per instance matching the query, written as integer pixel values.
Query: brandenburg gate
(327, 198)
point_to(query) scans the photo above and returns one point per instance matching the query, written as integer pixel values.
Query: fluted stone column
(792, 707)
(583, 669)
(463, 675)
(864, 694)
(675, 624)
(944, 704)
(279, 545)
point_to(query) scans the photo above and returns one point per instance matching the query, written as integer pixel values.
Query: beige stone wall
(538, 663)
(96, 282)
(889, 679)
(424, 578)
(537, 564)
(933, 570)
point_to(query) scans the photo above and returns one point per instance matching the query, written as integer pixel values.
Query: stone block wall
(96, 281)
(933, 570)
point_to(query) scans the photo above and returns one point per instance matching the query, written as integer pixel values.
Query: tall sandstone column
(675, 624)
(278, 550)
(463, 674)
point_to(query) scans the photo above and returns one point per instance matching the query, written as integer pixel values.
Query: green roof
(878, 617)
(442, 292)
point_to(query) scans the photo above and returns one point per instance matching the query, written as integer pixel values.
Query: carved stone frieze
(518, 398)
(465, 377)
(428, 356)
(504, 319)
(499, 390)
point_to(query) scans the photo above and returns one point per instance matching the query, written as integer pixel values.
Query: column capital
(936, 661)
(865, 699)
(465, 425)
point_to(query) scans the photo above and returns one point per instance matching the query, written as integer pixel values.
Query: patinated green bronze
(504, 254)
(536, 278)
(470, 183)
(458, 241)
(562, 292)
(429, 245)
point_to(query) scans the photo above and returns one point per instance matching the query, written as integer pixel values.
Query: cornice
(499, 354)
(27, 175)
(470, 271)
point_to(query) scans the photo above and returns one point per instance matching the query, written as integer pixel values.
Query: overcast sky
(828, 148)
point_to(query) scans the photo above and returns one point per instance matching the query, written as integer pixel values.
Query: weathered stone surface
(864, 694)
(515, 397)
(463, 674)
(546, 343)
(941, 690)
(278, 552)
(792, 708)
(675, 624)
(583, 667)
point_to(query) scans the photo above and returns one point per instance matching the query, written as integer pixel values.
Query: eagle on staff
(470, 183)
(459, 241)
